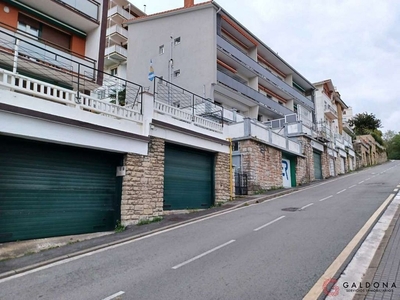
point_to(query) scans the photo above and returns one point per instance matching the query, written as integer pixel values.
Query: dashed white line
(323, 199)
(341, 191)
(361, 182)
(114, 295)
(305, 206)
(350, 187)
(203, 254)
(395, 190)
(367, 179)
(269, 223)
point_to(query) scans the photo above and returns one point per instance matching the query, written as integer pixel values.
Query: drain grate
(291, 209)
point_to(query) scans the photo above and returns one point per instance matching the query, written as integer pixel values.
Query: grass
(148, 221)
(119, 227)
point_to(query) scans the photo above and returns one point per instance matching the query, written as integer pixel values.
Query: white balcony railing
(117, 29)
(116, 49)
(118, 10)
(186, 116)
(47, 91)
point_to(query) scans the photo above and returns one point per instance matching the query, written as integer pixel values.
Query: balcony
(81, 14)
(252, 128)
(118, 14)
(244, 90)
(330, 112)
(260, 71)
(180, 104)
(24, 54)
(115, 54)
(347, 128)
(118, 34)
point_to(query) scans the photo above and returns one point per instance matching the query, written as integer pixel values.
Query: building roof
(300, 79)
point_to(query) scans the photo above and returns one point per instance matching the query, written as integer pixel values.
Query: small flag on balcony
(151, 73)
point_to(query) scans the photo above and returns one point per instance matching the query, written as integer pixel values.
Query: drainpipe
(230, 171)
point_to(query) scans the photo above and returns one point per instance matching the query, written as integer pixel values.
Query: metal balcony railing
(253, 94)
(42, 71)
(186, 106)
(253, 65)
(89, 8)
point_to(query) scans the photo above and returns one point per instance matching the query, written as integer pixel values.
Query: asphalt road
(256, 252)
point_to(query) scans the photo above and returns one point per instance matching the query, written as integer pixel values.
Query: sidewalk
(41, 252)
(388, 270)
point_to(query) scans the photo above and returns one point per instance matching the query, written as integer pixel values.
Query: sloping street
(277, 249)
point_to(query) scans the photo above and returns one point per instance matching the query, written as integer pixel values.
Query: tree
(365, 123)
(393, 147)
(121, 96)
(389, 135)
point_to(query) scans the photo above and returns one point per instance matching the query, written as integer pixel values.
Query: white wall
(196, 54)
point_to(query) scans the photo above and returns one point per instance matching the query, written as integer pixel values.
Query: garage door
(53, 190)
(317, 165)
(188, 178)
(342, 165)
(331, 167)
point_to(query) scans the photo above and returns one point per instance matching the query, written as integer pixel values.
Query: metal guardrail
(183, 102)
(29, 57)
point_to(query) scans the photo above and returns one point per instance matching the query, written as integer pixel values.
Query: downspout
(230, 171)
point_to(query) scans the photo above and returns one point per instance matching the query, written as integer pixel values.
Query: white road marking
(367, 179)
(323, 199)
(203, 254)
(361, 182)
(269, 223)
(341, 191)
(395, 190)
(398, 186)
(305, 206)
(114, 295)
(350, 187)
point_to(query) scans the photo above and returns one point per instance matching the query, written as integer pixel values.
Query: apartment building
(204, 49)
(329, 112)
(116, 53)
(78, 157)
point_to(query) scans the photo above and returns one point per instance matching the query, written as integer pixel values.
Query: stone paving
(388, 270)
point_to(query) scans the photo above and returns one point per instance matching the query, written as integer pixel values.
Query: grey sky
(356, 43)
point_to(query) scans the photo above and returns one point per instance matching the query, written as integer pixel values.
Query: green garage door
(317, 165)
(53, 190)
(188, 178)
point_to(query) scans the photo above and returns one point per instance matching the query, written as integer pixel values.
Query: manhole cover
(290, 209)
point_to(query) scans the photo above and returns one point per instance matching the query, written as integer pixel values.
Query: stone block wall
(222, 178)
(262, 163)
(305, 166)
(325, 163)
(143, 184)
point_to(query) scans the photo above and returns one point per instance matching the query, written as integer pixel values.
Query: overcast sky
(356, 43)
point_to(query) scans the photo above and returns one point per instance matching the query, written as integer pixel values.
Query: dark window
(43, 31)
(235, 146)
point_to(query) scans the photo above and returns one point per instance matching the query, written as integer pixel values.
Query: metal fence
(27, 55)
(241, 187)
(185, 100)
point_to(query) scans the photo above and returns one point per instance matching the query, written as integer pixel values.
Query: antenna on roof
(144, 8)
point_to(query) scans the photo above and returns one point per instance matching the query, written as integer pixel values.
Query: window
(177, 73)
(43, 31)
(259, 118)
(235, 146)
(161, 49)
(177, 41)
(28, 25)
(269, 96)
(114, 71)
